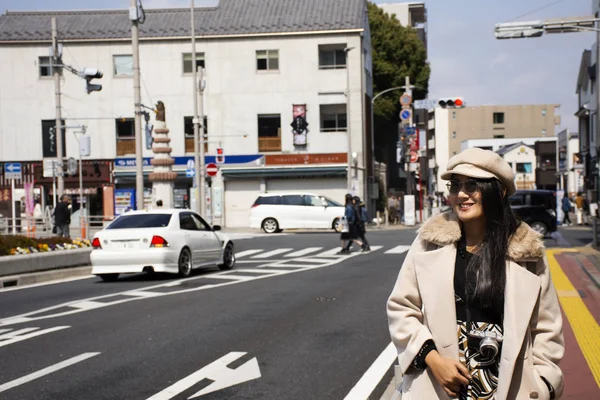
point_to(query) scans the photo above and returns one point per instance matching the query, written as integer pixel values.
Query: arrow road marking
(46, 371)
(216, 371)
(23, 334)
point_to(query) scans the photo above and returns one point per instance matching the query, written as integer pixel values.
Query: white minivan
(276, 212)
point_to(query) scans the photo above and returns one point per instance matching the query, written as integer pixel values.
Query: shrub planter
(44, 261)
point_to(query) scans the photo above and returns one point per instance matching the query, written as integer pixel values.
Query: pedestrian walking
(579, 203)
(566, 208)
(353, 234)
(360, 219)
(392, 209)
(474, 313)
(400, 210)
(62, 217)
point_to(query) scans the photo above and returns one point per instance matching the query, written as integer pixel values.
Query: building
(413, 14)
(587, 114)
(452, 126)
(265, 63)
(522, 159)
(570, 168)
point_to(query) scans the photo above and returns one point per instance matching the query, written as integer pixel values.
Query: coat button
(534, 395)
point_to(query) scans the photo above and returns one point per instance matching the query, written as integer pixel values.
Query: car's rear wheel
(270, 225)
(336, 225)
(228, 257)
(539, 227)
(185, 263)
(109, 277)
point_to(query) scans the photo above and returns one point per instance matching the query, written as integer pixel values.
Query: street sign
(212, 169)
(405, 115)
(406, 100)
(190, 172)
(414, 156)
(409, 130)
(72, 166)
(13, 171)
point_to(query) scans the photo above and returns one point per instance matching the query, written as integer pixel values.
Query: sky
(466, 59)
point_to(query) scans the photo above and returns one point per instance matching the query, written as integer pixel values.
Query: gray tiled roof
(230, 17)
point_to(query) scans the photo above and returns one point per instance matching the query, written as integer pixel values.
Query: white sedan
(172, 241)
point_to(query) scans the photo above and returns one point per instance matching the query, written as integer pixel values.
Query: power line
(536, 10)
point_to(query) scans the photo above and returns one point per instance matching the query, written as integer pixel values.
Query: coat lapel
(435, 276)
(522, 290)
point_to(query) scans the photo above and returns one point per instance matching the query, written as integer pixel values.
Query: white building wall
(575, 177)
(497, 144)
(522, 154)
(400, 9)
(442, 135)
(235, 93)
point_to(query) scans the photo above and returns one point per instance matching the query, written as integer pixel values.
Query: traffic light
(220, 156)
(88, 74)
(451, 102)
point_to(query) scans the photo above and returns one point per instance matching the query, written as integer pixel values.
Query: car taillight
(96, 243)
(158, 241)
(255, 205)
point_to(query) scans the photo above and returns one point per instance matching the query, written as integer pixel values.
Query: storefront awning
(285, 172)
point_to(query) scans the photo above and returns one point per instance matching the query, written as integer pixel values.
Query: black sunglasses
(469, 186)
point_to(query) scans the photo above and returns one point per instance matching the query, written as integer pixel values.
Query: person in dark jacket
(62, 217)
(357, 226)
(566, 207)
(353, 233)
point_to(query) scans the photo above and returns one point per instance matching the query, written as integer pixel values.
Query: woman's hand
(451, 375)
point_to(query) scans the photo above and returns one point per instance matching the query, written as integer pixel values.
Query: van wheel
(270, 225)
(539, 227)
(336, 225)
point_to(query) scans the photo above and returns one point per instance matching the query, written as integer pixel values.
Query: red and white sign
(211, 169)
(414, 156)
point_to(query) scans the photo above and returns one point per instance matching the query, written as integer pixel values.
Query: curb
(23, 264)
(43, 277)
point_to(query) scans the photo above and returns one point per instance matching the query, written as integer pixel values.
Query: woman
(474, 314)
(566, 208)
(353, 234)
(360, 220)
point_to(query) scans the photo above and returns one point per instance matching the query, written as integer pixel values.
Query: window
(268, 200)
(524, 168)
(293, 200)
(141, 221)
(543, 132)
(45, 65)
(313, 201)
(454, 135)
(333, 118)
(498, 118)
(517, 200)
(544, 112)
(125, 128)
(267, 60)
(188, 126)
(332, 203)
(269, 132)
(332, 56)
(187, 62)
(453, 114)
(123, 65)
(540, 200)
(201, 223)
(186, 222)
(498, 136)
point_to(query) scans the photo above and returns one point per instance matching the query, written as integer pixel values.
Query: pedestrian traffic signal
(88, 74)
(220, 156)
(451, 102)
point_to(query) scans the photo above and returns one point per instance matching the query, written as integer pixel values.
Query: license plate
(128, 245)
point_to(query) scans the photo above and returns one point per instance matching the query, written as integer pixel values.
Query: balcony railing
(267, 144)
(189, 145)
(125, 146)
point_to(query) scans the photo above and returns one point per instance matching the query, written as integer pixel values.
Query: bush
(54, 240)
(9, 242)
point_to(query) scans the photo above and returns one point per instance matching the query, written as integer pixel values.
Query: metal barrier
(83, 227)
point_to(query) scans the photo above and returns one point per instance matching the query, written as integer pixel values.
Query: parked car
(172, 241)
(537, 208)
(276, 212)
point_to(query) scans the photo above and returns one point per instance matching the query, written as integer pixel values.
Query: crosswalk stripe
(303, 252)
(272, 253)
(331, 252)
(247, 253)
(398, 250)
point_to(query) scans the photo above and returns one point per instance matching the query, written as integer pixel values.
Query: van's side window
(268, 200)
(293, 200)
(517, 200)
(313, 201)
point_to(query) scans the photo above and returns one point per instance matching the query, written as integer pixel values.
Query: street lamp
(348, 119)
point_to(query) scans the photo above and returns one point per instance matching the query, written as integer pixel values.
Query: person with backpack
(352, 218)
(566, 208)
(362, 226)
(474, 313)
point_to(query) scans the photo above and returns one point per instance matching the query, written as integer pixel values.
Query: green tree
(397, 53)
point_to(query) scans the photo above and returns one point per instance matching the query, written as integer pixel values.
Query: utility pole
(137, 98)
(59, 128)
(348, 117)
(408, 90)
(199, 128)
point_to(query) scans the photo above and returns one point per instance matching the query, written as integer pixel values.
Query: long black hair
(489, 262)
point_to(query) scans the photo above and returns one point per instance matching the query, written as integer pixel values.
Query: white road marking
(230, 277)
(141, 293)
(332, 252)
(247, 253)
(216, 371)
(272, 253)
(303, 252)
(27, 333)
(10, 288)
(88, 304)
(369, 381)
(398, 250)
(46, 371)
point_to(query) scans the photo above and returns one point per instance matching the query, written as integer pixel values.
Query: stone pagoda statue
(162, 178)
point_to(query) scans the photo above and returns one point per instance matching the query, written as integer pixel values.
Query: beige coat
(422, 307)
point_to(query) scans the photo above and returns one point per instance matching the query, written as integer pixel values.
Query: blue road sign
(190, 173)
(405, 115)
(410, 130)
(12, 171)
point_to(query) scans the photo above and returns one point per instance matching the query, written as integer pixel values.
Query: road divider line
(376, 372)
(20, 337)
(46, 371)
(230, 277)
(303, 252)
(247, 253)
(271, 253)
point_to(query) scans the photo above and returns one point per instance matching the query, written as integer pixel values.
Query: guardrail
(80, 227)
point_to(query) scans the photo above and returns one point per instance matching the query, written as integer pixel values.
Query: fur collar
(444, 229)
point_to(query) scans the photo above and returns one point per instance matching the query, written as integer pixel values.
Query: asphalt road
(276, 327)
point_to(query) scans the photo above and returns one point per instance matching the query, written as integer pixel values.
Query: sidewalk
(576, 276)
